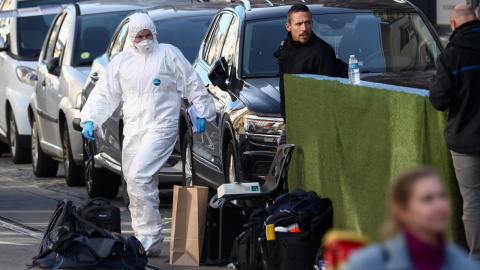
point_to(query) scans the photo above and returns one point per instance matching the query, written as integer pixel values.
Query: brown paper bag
(188, 224)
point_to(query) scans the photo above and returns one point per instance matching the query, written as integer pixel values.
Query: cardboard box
(238, 188)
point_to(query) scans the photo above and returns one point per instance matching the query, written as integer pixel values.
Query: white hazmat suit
(150, 82)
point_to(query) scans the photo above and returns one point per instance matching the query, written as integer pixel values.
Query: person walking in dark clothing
(456, 88)
(301, 51)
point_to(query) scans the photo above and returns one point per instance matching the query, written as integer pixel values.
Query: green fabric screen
(351, 141)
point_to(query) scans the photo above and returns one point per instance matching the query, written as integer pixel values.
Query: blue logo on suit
(157, 82)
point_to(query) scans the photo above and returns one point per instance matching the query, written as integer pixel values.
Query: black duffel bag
(289, 250)
(95, 253)
(296, 250)
(77, 243)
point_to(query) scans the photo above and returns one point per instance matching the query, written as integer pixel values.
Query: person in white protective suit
(150, 79)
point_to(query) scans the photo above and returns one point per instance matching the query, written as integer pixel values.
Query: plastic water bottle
(353, 70)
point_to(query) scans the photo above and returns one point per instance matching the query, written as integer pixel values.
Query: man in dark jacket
(456, 87)
(301, 51)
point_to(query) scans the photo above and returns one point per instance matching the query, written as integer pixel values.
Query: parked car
(183, 26)
(21, 39)
(392, 39)
(79, 33)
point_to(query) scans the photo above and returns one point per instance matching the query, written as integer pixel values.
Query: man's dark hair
(298, 8)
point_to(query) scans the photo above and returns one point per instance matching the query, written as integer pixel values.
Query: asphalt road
(27, 203)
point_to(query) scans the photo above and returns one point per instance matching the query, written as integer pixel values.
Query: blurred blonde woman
(420, 214)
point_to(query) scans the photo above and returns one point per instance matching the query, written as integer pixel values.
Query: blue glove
(87, 131)
(200, 125)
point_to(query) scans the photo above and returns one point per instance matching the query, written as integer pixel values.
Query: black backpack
(246, 252)
(102, 213)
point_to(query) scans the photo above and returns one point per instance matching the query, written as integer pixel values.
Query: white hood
(138, 22)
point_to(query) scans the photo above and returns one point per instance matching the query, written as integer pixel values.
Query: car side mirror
(3, 46)
(76, 124)
(218, 73)
(53, 66)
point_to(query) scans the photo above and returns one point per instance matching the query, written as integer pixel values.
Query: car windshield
(382, 42)
(186, 33)
(32, 30)
(93, 35)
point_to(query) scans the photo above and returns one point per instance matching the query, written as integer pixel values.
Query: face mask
(145, 46)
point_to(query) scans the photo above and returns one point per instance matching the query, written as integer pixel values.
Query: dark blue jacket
(457, 88)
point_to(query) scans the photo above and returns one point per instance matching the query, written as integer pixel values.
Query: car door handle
(44, 83)
(94, 76)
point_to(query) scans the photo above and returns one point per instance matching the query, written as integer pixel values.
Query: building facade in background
(438, 11)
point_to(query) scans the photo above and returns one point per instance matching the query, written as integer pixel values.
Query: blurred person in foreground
(420, 214)
(455, 88)
(150, 79)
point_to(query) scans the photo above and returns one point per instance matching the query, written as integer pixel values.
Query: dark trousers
(467, 170)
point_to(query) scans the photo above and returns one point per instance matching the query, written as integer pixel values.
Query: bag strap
(92, 201)
(102, 231)
(66, 207)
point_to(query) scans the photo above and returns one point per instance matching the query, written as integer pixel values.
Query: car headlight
(27, 75)
(262, 129)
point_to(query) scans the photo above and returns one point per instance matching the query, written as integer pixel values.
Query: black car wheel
(18, 153)
(187, 161)
(126, 198)
(231, 167)
(231, 170)
(42, 164)
(99, 182)
(73, 172)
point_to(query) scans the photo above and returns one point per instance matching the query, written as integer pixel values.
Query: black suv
(393, 41)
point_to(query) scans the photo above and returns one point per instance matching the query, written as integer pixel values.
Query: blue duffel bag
(93, 253)
(79, 244)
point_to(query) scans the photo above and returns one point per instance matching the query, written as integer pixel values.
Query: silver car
(79, 33)
(21, 39)
(180, 25)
